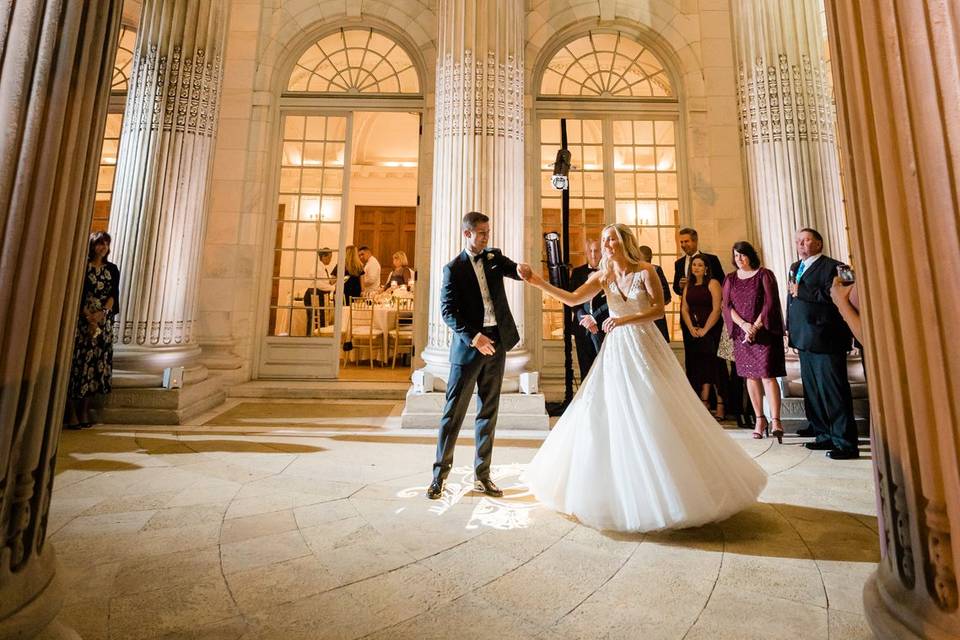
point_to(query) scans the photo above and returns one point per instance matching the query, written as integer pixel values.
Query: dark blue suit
(461, 305)
(822, 338)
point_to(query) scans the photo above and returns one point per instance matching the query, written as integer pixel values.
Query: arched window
(621, 111)
(124, 61)
(355, 61)
(605, 65)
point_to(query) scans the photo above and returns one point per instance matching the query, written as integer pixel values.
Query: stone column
(164, 168)
(56, 64)
(478, 166)
(898, 89)
(478, 150)
(787, 126)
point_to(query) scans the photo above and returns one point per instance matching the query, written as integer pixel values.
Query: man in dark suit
(817, 330)
(474, 305)
(590, 315)
(661, 323)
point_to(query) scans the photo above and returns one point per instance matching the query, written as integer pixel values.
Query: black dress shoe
(806, 432)
(826, 445)
(843, 454)
(486, 486)
(435, 490)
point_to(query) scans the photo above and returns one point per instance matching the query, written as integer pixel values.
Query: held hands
(793, 286)
(589, 323)
(529, 275)
(683, 282)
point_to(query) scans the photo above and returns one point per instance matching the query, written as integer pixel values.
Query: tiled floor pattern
(300, 519)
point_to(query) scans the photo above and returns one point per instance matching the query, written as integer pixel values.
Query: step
(320, 390)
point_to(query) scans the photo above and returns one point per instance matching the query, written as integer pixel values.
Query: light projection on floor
(512, 511)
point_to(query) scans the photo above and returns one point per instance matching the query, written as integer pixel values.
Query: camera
(845, 273)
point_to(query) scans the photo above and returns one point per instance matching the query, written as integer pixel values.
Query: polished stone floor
(305, 519)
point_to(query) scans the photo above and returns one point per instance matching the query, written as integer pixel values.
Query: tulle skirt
(637, 451)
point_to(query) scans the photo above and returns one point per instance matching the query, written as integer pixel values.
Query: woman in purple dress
(700, 312)
(751, 310)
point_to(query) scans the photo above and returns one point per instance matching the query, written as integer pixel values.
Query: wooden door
(385, 230)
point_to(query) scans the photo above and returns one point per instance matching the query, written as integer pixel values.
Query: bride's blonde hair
(631, 249)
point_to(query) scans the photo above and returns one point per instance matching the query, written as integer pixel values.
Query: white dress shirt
(489, 316)
(371, 275)
(323, 279)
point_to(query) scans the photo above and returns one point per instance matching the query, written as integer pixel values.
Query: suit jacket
(713, 262)
(461, 303)
(597, 307)
(663, 284)
(813, 321)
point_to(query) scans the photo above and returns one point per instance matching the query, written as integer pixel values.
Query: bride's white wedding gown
(636, 450)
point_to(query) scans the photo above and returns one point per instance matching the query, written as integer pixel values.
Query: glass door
(303, 328)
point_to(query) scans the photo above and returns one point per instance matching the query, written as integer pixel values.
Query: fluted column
(161, 192)
(56, 64)
(478, 149)
(898, 90)
(787, 127)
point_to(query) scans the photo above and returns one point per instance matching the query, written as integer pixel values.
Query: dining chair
(363, 333)
(401, 334)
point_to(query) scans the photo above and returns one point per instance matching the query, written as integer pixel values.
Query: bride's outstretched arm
(584, 292)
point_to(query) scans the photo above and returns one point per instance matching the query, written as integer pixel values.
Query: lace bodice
(634, 300)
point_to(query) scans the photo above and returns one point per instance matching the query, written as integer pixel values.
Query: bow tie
(479, 256)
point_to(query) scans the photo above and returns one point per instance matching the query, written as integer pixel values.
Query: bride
(636, 450)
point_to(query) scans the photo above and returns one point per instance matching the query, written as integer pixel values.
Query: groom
(474, 305)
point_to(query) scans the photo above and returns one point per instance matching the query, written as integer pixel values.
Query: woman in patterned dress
(751, 310)
(90, 375)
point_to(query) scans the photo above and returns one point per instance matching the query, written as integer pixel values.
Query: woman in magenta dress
(751, 310)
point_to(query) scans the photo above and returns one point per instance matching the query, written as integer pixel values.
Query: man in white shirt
(315, 298)
(474, 305)
(370, 283)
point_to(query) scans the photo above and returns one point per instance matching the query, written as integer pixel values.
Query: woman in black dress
(700, 311)
(353, 270)
(92, 369)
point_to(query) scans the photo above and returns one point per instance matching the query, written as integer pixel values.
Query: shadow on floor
(465, 438)
(91, 443)
(777, 530)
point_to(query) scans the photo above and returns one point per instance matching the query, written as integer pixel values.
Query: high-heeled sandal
(777, 433)
(721, 413)
(764, 427)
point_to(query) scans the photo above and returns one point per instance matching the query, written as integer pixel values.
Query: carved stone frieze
(479, 97)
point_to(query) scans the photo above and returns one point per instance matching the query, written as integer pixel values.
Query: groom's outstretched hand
(524, 271)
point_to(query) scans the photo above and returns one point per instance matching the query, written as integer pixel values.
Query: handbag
(725, 346)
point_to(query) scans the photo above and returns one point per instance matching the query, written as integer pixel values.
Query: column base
(154, 405)
(517, 411)
(37, 590)
(885, 622)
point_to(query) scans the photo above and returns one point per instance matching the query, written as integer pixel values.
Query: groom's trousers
(486, 372)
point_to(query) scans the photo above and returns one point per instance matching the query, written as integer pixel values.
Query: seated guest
(353, 272)
(402, 273)
(661, 323)
(700, 312)
(370, 283)
(315, 298)
(751, 310)
(590, 315)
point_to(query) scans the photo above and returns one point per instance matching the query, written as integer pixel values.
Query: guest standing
(661, 323)
(402, 273)
(588, 334)
(751, 309)
(700, 312)
(822, 338)
(370, 283)
(315, 298)
(92, 369)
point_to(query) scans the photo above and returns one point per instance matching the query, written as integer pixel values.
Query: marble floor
(305, 519)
